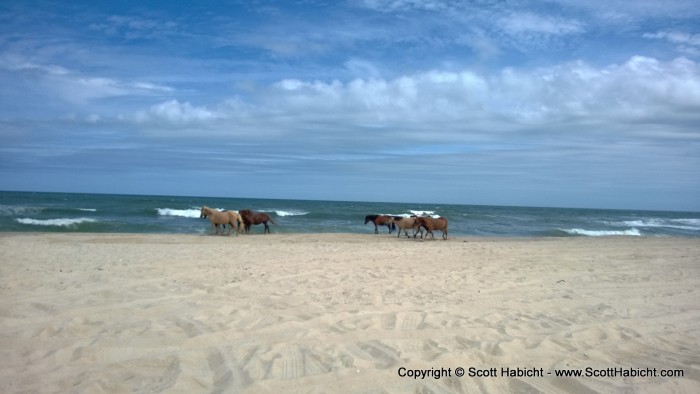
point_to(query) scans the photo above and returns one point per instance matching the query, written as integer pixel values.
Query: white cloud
(687, 43)
(362, 68)
(626, 11)
(14, 64)
(676, 37)
(528, 22)
(175, 112)
(640, 87)
(134, 27)
(577, 97)
(75, 86)
(404, 5)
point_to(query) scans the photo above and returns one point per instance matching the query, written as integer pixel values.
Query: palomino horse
(431, 224)
(250, 218)
(217, 218)
(381, 220)
(404, 224)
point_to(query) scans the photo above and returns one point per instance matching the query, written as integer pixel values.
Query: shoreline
(315, 312)
(384, 235)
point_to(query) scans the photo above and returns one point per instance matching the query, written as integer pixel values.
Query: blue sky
(540, 103)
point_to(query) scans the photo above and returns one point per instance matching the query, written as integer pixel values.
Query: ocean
(107, 213)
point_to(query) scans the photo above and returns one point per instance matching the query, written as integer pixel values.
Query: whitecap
(424, 213)
(186, 213)
(64, 222)
(290, 213)
(682, 224)
(11, 210)
(286, 212)
(602, 233)
(412, 214)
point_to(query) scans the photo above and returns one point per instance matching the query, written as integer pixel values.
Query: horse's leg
(427, 231)
(267, 228)
(376, 231)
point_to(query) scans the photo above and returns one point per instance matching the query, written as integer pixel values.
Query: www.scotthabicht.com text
(533, 372)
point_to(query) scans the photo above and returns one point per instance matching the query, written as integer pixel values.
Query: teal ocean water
(68, 212)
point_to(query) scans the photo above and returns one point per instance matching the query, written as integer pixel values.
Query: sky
(592, 104)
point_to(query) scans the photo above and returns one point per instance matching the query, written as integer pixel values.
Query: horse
(404, 223)
(381, 220)
(217, 218)
(431, 224)
(250, 218)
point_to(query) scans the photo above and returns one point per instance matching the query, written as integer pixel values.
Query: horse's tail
(271, 221)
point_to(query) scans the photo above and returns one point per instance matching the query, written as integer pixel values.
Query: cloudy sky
(541, 103)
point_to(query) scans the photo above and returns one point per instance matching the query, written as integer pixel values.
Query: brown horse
(217, 218)
(404, 224)
(431, 224)
(381, 220)
(250, 218)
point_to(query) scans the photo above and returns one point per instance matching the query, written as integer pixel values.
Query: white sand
(343, 313)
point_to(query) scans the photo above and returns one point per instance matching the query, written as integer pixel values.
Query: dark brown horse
(381, 220)
(250, 218)
(430, 224)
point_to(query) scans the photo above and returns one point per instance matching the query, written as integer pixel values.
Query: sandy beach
(347, 313)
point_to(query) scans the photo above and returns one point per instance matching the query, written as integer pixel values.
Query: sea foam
(424, 213)
(288, 212)
(602, 233)
(186, 213)
(63, 222)
(683, 224)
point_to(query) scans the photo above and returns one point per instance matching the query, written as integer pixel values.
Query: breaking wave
(602, 233)
(285, 212)
(185, 213)
(63, 222)
(291, 212)
(416, 213)
(681, 224)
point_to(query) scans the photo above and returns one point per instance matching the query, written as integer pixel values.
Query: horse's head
(204, 212)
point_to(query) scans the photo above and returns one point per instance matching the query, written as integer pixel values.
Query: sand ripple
(342, 313)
